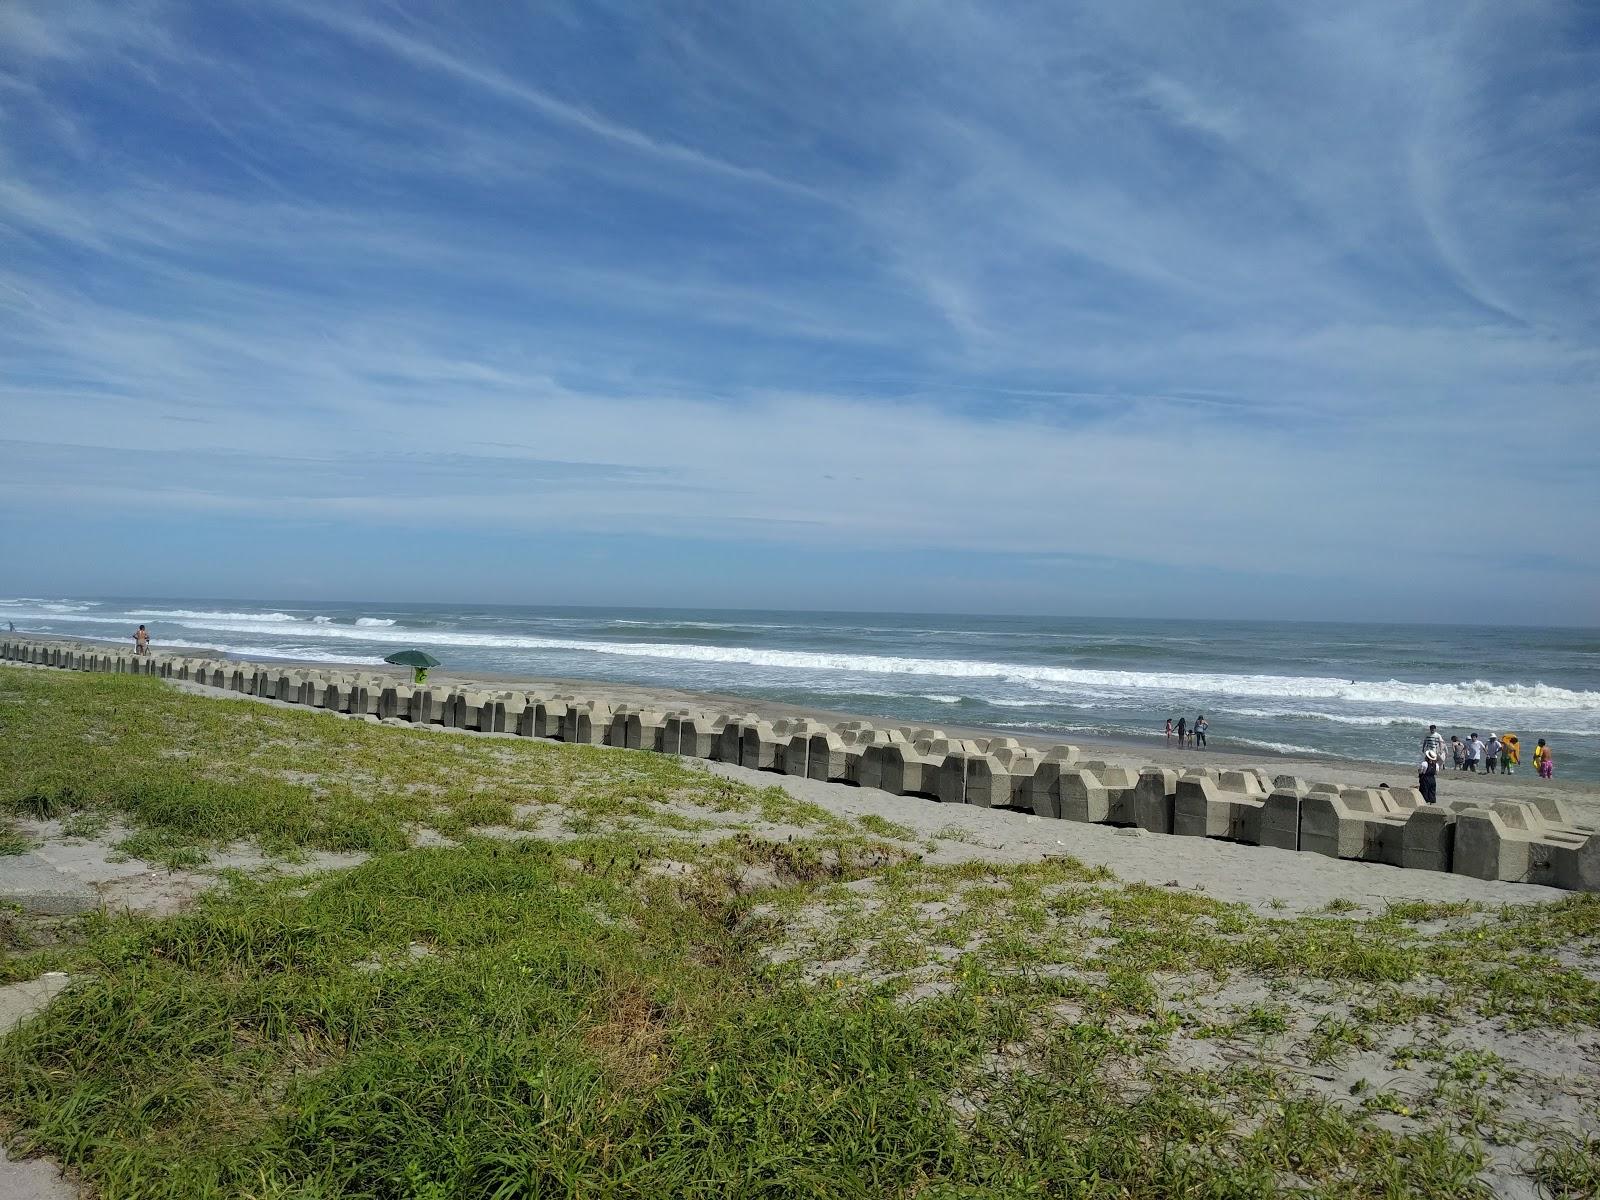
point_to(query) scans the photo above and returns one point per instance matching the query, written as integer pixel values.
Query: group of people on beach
(1189, 736)
(1501, 753)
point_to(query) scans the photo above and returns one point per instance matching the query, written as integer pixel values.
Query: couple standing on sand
(1189, 735)
(141, 640)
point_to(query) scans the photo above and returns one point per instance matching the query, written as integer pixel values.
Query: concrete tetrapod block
(617, 735)
(502, 712)
(1121, 786)
(1558, 813)
(587, 723)
(906, 772)
(672, 730)
(1083, 797)
(645, 729)
(1428, 843)
(1044, 785)
(1246, 814)
(759, 746)
(1280, 815)
(698, 734)
(421, 705)
(1367, 800)
(1330, 825)
(869, 771)
(333, 697)
(1020, 766)
(781, 733)
(549, 714)
(1155, 798)
(982, 781)
(953, 777)
(394, 702)
(797, 750)
(1200, 809)
(730, 741)
(1404, 799)
(527, 717)
(827, 758)
(1246, 782)
(856, 746)
(1576, 865)
(1487, 847)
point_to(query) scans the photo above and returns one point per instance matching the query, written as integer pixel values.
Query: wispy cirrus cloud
(1149, 283)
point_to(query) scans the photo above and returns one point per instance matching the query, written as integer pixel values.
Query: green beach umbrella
(418, 660)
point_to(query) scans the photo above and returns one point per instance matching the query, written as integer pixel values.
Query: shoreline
(1345, 771)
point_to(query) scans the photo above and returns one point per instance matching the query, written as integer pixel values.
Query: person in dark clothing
(1428, 777)
(1183, 732)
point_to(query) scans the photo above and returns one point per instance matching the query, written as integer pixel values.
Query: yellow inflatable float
(1512, 748)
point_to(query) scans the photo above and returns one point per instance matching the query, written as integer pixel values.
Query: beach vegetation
(554, 969)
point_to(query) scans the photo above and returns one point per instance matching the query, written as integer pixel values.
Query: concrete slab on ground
(19, 1001)
(34, 885)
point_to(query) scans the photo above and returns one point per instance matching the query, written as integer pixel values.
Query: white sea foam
(58, 607)
(1280, 747)
(322, 620)
(295, 653)
(373, 622)
(1297, 714)
(183, 615)
(1059, 683)
(938, 699)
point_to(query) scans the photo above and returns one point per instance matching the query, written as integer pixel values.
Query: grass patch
(645, 1008)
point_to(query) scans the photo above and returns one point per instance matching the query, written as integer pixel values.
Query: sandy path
(1268, 880)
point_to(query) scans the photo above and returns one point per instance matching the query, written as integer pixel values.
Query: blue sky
(1128, 309)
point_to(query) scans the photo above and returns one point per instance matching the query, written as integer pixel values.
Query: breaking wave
(1055, 684)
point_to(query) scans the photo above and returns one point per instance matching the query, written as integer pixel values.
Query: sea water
(1365, 691)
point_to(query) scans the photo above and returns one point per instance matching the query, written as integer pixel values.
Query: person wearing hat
(1428, 777)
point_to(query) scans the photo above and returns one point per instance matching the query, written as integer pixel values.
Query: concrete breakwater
(1534, 841)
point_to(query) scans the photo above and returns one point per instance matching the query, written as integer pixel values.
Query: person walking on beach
(1458, 753)
(1434, 740)
(1169, 732)
(1474, 753)
(1510, 751)
(1428, 777)
(1491, 755)
(141, 640)
(1183, 732)
(1200, 727)
(1544, 763)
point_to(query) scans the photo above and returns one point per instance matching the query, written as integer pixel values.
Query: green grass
(12, 839)
(618, 1013)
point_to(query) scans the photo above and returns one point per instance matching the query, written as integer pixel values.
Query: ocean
(1362, 691)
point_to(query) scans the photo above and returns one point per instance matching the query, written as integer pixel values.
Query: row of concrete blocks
(1510, 840)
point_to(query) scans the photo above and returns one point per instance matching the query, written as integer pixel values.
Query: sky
(1130, 308)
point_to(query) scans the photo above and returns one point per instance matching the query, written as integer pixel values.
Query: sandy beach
(1352, 772)
(1583, 795)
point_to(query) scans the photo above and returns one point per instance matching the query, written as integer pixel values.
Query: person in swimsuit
(141, 640)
